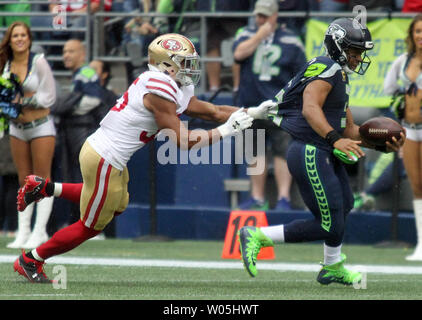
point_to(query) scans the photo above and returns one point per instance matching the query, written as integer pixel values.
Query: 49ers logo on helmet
(172, 45)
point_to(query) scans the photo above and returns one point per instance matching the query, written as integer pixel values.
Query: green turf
(165, 283)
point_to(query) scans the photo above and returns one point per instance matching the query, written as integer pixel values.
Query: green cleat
(338, 273)
(251, 241)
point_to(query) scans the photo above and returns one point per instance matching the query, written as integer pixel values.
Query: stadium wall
(210, 223)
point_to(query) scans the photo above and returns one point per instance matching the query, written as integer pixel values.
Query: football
(377, 131)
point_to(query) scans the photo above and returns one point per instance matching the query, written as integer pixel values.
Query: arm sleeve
(46, 92)
(392, 76)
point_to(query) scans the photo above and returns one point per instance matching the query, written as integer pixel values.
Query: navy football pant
(324, 185)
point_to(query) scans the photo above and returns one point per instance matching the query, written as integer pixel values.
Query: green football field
(194, 270)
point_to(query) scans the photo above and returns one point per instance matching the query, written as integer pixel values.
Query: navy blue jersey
(290, 98)
(273, 64)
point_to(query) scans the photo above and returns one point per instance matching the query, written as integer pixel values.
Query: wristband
(332, 137)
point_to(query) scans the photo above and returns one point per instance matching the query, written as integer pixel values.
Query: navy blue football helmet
(343, 34)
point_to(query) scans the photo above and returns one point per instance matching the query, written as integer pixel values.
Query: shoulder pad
(321, 67)
(161, 85)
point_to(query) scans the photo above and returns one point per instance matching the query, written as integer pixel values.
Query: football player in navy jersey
(269, 56)
(313, 109)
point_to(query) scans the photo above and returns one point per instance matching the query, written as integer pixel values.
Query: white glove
(237, 122)
(261, 111)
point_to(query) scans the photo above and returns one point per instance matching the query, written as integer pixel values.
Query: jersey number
(264, 61)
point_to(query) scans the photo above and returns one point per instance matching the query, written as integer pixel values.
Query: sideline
(262, 265)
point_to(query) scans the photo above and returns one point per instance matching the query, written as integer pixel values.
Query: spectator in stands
(9, 189)
(296, 24)
(24, 6)
(373, 5)
(189, 27)
(398, 5)
(32, 134)
(108, 96)
(406, 69)
(269, 56)
(79, 6)
(412, 6)
(332, 6)
(219, 29)
(77, 110)
(59, 8)
(139, 32)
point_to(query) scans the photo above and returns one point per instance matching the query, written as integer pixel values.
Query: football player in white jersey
(153, 102)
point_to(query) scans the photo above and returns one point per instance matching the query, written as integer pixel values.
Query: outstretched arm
(208, 111)
(165, 115)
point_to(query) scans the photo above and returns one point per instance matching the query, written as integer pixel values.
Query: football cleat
(336, 272)
(33, 190)
(251, 241)
(31, 269)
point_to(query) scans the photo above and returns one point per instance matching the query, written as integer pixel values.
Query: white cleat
(416, 256)
(19, 241)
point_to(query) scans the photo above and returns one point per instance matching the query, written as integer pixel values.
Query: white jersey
(128, 126)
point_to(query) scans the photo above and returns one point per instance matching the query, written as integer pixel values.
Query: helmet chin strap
(345, 66)
(347, 69)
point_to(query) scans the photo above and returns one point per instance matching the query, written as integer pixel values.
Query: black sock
(49, 189)
(29, 255)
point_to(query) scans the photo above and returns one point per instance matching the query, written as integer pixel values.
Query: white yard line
(262, 265)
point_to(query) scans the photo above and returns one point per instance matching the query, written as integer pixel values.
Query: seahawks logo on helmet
(338, 32)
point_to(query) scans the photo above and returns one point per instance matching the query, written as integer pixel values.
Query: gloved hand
(261, 111)
(237, 122)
